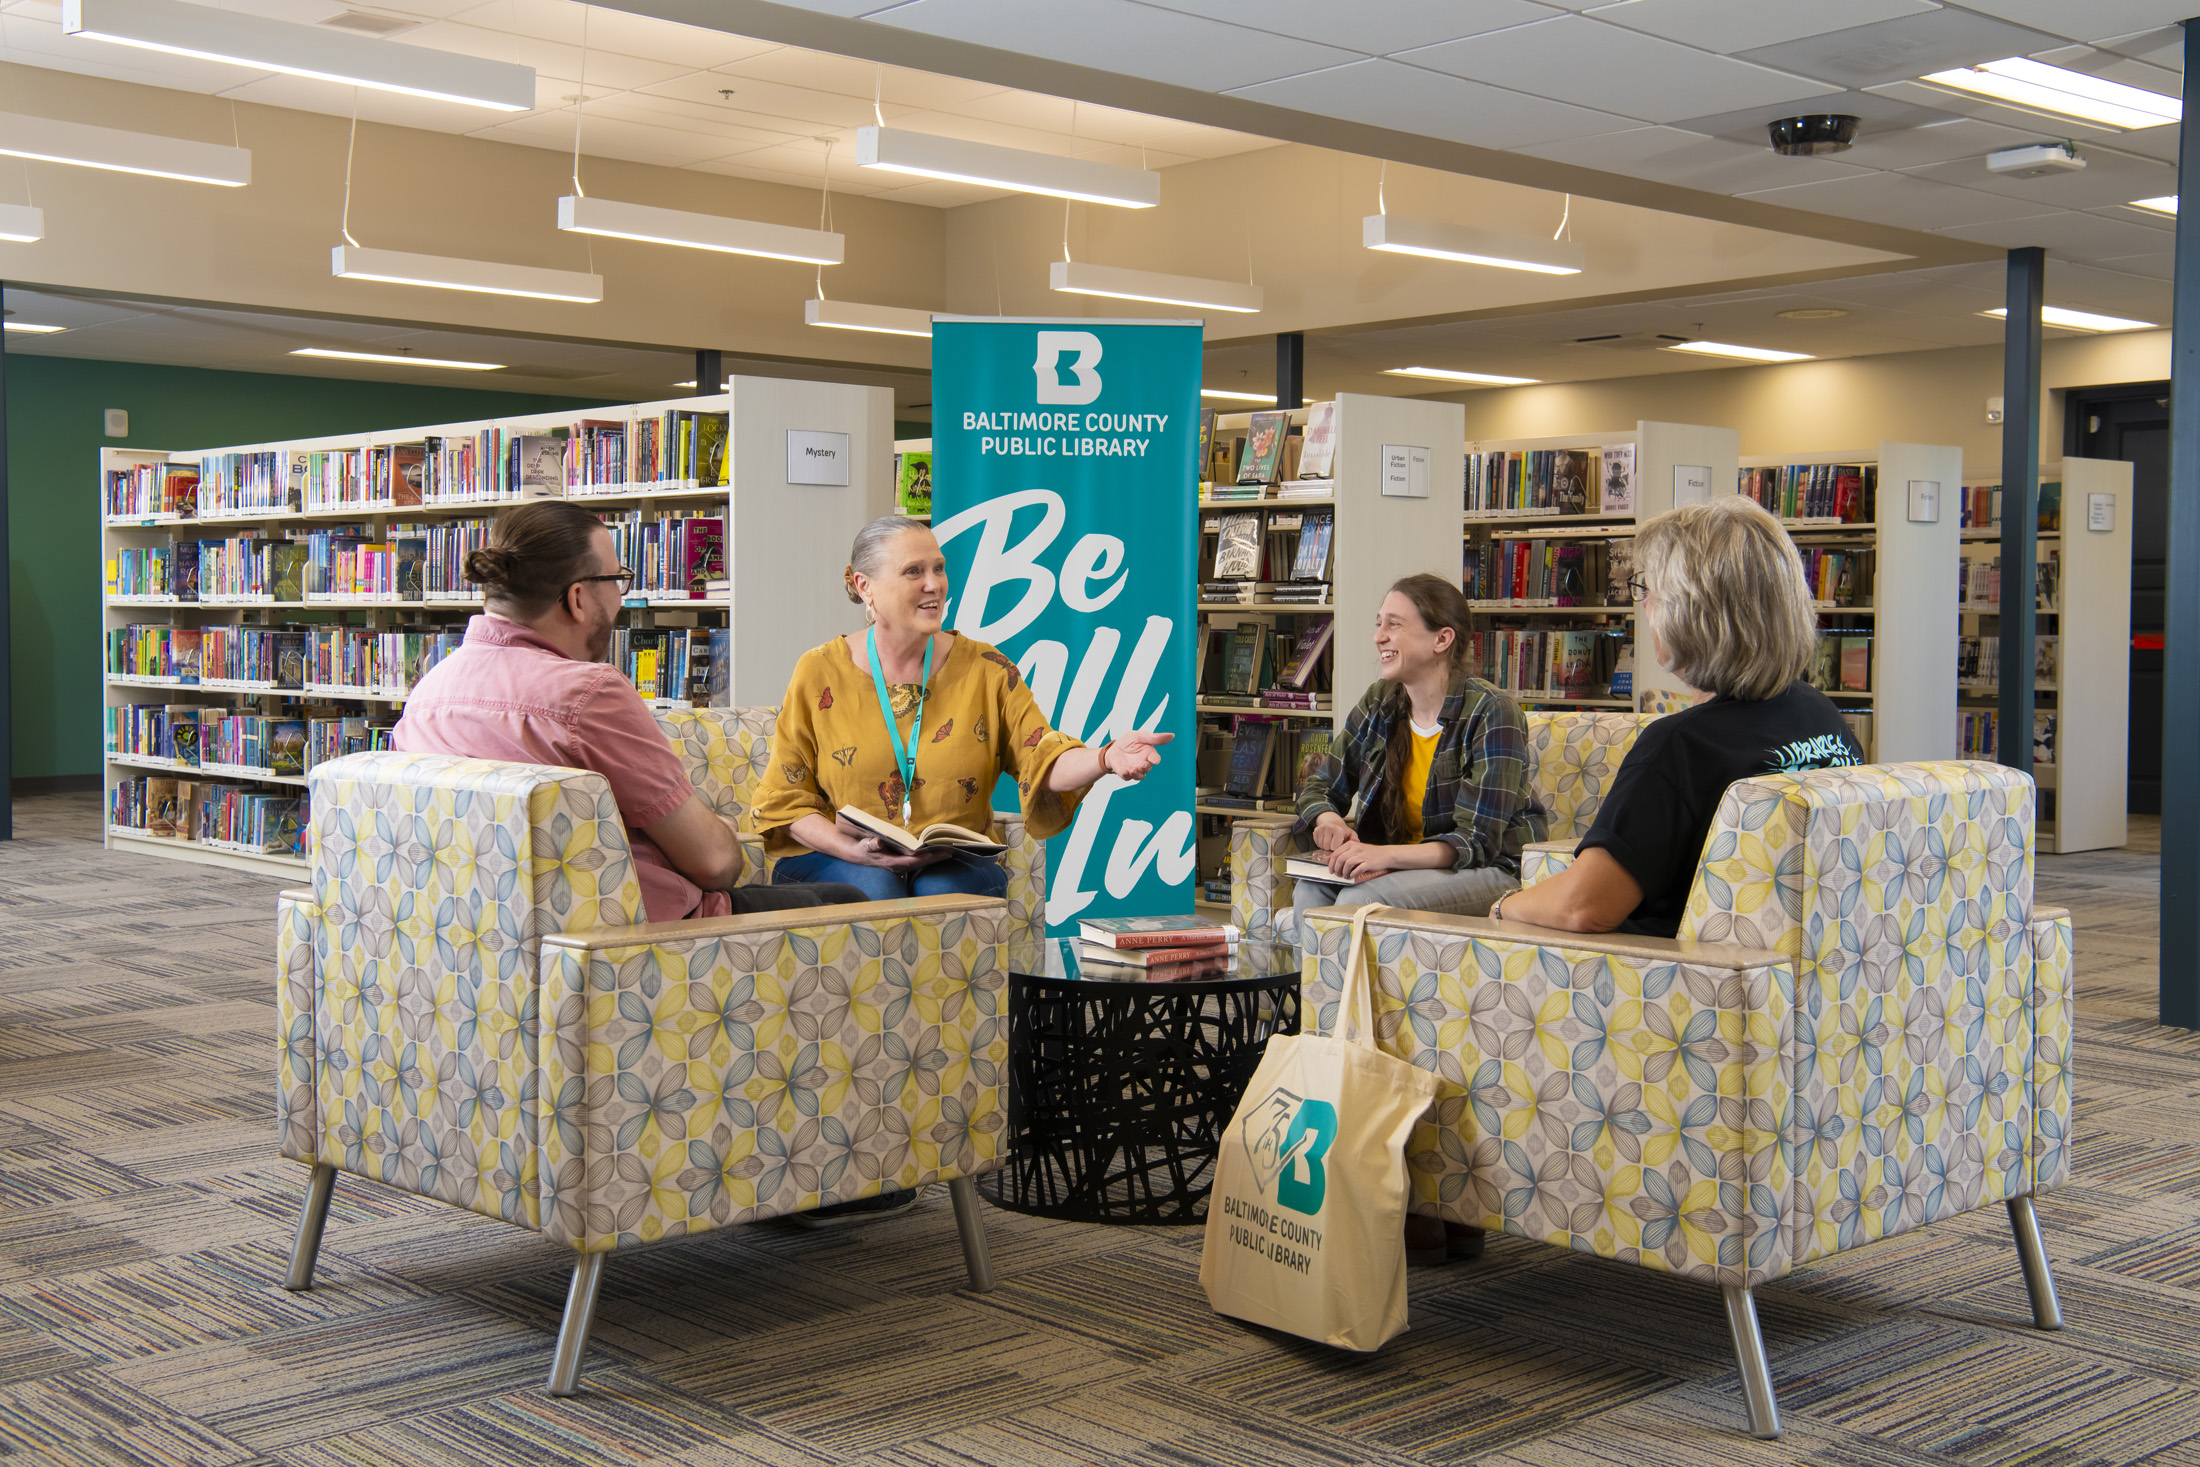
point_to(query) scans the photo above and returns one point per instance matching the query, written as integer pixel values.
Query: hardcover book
(1130, 932)
(1570, 480)
(932, 837)
(1319, 457)
(408, 472)
(1264, 448)
(1619, 479)
(1250, 751)
(1237, 548)
(1307, 652)
(541, 466)
(913, 482)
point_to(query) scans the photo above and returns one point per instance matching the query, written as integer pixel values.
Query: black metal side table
(1120, 1086)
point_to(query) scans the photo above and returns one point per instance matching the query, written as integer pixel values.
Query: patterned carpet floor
(145, 1222)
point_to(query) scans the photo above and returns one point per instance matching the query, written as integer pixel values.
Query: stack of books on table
(1155, 948)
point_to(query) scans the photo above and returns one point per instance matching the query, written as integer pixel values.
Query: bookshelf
(1514, 504)
(1902, 583)
(362, 641)
(1375, 538)
(2082, 678)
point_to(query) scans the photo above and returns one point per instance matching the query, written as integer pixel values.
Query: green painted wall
(54, 422)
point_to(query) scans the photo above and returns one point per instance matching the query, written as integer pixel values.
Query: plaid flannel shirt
(1478, 800)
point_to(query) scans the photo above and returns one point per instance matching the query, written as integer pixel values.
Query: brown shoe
(1425, 1240)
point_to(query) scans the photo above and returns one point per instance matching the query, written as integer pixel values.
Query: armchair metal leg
(305, 1250)
(1749, 1352)
(580, 1317)
(971, 1224)
(2046, 1310)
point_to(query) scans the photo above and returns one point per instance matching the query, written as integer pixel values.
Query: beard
(599, 638)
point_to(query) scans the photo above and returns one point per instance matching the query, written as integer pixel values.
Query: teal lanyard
(905, 756)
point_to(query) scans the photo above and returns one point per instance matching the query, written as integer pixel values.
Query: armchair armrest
(1618, 1095)
(1543, 859)
(1259, 845)
(698, 1074)
(2052, 1013)
(1026, 862)
(297, 1106)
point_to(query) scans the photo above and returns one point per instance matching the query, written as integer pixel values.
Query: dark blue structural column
(2180, 952)
(2020, 499)
(1290, 370)
(710, 372)
(7, 611)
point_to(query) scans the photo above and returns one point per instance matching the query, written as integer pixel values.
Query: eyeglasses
(1638, 589)
(622, 575)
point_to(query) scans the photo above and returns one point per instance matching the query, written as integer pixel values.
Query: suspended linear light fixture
(1437, 240)
(85, 146)
(302, 50)
(22, 223)
(1076, 277)
(854, 316)
(897, 150)
(578, 214)
(1447, 374)
(444, 272)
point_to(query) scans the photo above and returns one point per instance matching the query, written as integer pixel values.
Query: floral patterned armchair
(726, 751)
(1864, 1028)
(473, 1010)
(1572, 755)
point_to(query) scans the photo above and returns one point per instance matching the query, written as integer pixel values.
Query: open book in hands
(932, 837)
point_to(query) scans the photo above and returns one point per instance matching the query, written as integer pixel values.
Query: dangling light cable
(350, 148)
(1381, 178)
(1564, 218)
(579, 104)
(1065, 229)
(878, 87)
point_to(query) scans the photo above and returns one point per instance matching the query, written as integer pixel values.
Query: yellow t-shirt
(830, 748)
(1415, 790)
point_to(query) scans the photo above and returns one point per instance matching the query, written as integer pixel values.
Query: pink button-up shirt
(508, 694)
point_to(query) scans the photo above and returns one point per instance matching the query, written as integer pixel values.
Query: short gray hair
(1730, 603)
(869, 550)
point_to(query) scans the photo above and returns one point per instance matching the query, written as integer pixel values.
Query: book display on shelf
(272, 606)
(2081, 664)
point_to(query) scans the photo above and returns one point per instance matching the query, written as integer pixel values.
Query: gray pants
(1466, 892)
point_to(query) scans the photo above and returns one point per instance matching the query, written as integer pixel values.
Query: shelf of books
(1549, 529)
(1305, 517)
(2081, 666)
(1878, 531)
(269, 606)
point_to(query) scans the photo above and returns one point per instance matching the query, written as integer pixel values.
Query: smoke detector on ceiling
(2035, 160)
(1808, 136)
(370, 23)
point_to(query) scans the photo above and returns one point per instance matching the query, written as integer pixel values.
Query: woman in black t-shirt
(1726, 608)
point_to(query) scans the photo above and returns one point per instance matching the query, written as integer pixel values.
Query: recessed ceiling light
(333, 354)
(1812, 313)
(263, 44)
(856, 316)
(1739, 353)
(445, 272)
(896, 150)
(1226, 395)
(2166, 204)
(2071, 320)
(1446, 374)
(32, 328)
(690, 386)
(1433, 239)
(1079, 278)
(2066, 93)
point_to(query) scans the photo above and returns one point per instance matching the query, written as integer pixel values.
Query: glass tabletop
(1059, 958)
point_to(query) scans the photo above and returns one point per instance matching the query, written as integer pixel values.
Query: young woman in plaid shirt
(1437, 761)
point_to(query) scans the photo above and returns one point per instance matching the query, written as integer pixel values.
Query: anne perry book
(1134, 932)
(940, 836)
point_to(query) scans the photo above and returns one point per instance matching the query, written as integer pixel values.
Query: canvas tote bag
(1305, 1226)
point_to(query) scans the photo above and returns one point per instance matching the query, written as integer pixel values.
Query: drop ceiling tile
(728, 123)
(2069, 234)
(2044, 126)
(1385, 93)
(1211, 142)
(1061, 116)
(1910, 46)
(2152, 142)
(1718, 25)
(1898, 198)
(1123, 155)
(606, 138)
(2164, 46)
(1623, 71)
(844, 8)
(1934, 142)
(1001, 134)
(1690, 160)
(2086, 20)
(1375, 30)
(2116, 291)
(1121, 36)
(739, 165)
(2155, 264)
(547, 57)
(935, 193)
(852, 77)
(2108, 179)
(617, 32)
(761, 99)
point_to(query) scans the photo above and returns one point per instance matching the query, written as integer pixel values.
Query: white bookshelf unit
(2084, 683)
(1913, 543)
(784, 545)
(1667, 457)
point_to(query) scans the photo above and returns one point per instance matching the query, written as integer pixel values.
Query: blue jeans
(955, 876)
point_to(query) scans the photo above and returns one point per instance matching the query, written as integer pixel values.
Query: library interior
(482, 433)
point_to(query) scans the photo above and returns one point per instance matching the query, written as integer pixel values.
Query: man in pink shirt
(530, 685)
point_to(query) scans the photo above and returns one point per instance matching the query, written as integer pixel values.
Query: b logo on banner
(1048, 367)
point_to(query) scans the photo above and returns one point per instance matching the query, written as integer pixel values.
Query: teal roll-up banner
(1065, 497)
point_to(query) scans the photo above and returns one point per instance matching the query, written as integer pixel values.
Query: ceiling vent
(368, 23)
(1631, 340)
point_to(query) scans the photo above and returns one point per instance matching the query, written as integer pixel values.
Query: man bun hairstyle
(867, 556)
(1440, 604)
(535, 552)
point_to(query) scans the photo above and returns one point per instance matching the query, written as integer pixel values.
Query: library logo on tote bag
(1287, 1152)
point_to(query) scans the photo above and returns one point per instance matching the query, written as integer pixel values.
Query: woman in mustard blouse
(961, 717)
